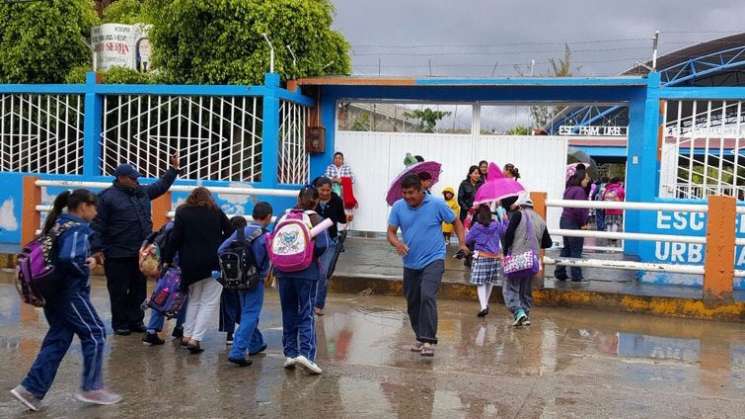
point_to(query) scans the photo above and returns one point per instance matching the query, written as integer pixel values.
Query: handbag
(525, 263)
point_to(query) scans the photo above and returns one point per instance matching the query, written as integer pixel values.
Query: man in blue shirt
(420, 217)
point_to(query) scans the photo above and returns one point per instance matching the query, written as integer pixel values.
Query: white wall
(377, 157)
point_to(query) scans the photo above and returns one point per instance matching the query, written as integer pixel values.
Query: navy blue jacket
(124, 218)
(72, 250)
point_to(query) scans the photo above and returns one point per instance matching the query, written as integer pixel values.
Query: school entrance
(376, 158)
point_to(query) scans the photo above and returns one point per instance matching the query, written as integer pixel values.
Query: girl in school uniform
(68, 307)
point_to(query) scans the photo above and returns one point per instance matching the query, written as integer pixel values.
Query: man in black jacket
(123, 222)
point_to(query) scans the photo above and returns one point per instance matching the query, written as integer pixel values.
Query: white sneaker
(309, 365)
(25, 397)
(102, 397)
(290, 363)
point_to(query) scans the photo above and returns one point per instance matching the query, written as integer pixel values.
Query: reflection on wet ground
(569, 363)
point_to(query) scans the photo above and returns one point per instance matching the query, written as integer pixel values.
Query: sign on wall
(120, 45)
(594, 130)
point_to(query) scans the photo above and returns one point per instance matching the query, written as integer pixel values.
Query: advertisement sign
(120, 45)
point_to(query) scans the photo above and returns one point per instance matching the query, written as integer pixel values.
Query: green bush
(220, 42)
(41, 42)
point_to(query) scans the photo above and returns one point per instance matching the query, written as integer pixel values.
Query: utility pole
(655, 44)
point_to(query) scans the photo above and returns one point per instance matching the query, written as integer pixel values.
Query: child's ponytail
(60, 202)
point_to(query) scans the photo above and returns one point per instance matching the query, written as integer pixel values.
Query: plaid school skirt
(486, 271)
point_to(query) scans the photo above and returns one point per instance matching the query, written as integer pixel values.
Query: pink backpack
(291, 245)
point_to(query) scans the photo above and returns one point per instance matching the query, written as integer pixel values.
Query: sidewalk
(371, 266)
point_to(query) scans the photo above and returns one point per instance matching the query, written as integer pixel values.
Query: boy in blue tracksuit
(297, 294)
(68, 307)
(248, 336)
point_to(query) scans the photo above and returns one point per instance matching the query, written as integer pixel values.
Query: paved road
(570, 363)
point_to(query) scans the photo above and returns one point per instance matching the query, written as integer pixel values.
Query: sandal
(417, 347)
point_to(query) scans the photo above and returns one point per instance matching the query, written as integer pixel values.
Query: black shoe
(229, 339)
(178, 332)
(194, 348)
(140, 328)
(561, 278)
(122, 332)
(262, 349)
(241, 362)
(152, 339)
(483, 312)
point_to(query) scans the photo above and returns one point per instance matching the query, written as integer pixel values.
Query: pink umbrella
(496, 190)
(431, 167)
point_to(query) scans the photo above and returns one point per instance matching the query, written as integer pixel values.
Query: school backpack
(35, 266)
(149, 255)
(167, 297)
(291, 245)
(238, 267)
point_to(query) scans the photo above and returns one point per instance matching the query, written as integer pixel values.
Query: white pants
(204, 298)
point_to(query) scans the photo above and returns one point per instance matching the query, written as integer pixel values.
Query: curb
(551, 297)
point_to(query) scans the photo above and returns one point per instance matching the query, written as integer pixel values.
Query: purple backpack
(167, 296)
(291, 245)
(35, 265)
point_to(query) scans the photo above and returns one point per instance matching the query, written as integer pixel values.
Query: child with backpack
(67, 305)
(526, 234)
(159, 239)
(294, 254)
(613, 216)
(253, 251)
(484, 236)
(230, 300)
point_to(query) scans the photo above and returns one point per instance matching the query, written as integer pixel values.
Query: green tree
(361, 123)
(40, 42)
(519, 130)
(128, 12)
(427, 117)
(220, 42)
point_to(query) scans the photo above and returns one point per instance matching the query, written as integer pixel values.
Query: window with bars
(217, 137)
(41, 133)
(702, 149)
(293, 159)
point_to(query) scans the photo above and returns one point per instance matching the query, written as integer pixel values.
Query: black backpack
(238, 268)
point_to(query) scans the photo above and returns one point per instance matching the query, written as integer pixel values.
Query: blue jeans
(157, 319)
(67, 316)
(298, 329)
(572, 249)
(326, 261)
(248, 336)
(230, 310)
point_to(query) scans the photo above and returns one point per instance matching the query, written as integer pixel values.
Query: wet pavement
(569, 363)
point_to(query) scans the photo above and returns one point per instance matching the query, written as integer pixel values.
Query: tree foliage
(127, 12)
(560, 67)
(519, 130)
(40, 42)
(427, 117)
(220, 42)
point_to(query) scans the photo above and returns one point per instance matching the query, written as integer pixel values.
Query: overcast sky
(468, 37)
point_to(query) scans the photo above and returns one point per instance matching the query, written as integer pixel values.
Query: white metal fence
(217, 137)
(701, 149)
(294, 161)
(41, 133)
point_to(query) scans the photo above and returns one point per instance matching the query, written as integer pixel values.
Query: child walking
(248, 337)
(230, 301)
(526, 231)
(485, 236)
(297, 295)
(68, 307)
(449, 195)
